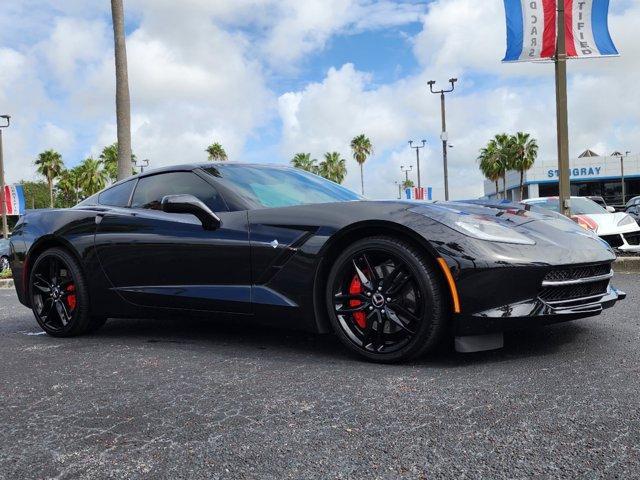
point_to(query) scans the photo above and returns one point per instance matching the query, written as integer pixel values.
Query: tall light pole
(406, 171)
(3, 206)
(622, 157)
(562, 116)
(417, 149)
(444, 137)
(399, 184)
(144, 164)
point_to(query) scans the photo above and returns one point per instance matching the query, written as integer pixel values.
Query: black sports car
(390, 278)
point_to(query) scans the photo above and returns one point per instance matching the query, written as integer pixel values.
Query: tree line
(333, 167)
(65, 187)
(506, 152)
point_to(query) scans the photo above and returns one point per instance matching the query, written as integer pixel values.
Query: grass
(5, 274)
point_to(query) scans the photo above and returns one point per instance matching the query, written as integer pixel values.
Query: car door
(168, 260)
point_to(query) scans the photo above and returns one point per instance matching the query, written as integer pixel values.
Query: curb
(627, 265)
(6, 283)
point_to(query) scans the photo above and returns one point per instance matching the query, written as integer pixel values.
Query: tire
(398, 321)
(4, 263)
(55, 279)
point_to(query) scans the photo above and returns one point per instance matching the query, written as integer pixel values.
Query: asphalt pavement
(198, 399)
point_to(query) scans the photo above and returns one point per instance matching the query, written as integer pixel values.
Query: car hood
(607, 223)
(547, 228)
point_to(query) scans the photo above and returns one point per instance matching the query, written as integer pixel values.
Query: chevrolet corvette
(391, 279)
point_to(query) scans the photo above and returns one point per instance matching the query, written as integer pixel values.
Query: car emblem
(274, 243)
(377, 300)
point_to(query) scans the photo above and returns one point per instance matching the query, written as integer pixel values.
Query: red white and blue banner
(531, 30)
(532, 33)
(587, 28)
(418, 193)
(14, 200)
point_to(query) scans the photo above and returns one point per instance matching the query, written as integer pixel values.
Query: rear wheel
(59, 297)
(384, 300)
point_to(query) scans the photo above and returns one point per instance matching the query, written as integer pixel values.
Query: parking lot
(196, 399)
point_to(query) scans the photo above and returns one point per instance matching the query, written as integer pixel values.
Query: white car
(618, 229)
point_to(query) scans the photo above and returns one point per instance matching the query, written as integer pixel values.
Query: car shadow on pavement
(247, 336)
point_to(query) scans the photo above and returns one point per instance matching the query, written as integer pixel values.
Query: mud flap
(479, 343)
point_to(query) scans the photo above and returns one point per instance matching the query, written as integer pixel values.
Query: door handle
(99, 218)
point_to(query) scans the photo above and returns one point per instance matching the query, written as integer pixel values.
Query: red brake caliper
(355, 288)
(71, 298)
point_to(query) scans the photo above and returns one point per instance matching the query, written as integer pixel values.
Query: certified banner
(14, 200)
(532, 32)
(587, 28)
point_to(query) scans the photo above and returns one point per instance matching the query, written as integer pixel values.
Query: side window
(150, 190)
(117, 196)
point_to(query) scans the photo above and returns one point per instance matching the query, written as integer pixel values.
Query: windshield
(279, 186)
(579, 206)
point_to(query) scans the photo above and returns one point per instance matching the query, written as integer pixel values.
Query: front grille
(632, 238)
(573, 292)
(578, 272)
(614, 240)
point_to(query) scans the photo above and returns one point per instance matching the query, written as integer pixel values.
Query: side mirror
(190, 204)
(610, 209)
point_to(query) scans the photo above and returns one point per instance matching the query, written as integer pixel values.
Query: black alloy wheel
(384, 300)
(58, 292)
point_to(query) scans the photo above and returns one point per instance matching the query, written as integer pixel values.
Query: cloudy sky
(269, 78)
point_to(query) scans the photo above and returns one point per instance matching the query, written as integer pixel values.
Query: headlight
(626, 220)
(492, 231)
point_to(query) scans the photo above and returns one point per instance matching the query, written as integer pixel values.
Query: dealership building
(591, 174)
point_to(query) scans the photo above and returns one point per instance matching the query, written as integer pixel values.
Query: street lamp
(3, 207)
(145, 163)
(417, 149)
(406, 172)
(444, 136)
(399, 184)
(622, 157)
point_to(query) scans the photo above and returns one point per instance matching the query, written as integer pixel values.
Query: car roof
(193, 166)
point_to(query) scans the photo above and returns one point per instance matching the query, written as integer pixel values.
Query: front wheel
(384, 300)
(59, 296)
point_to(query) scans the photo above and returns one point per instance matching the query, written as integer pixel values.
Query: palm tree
(109, 159)
(216, 153)
(362, 149)
(526, 152)
(333, 167)
(489, 165)
(69, 185)
(504, 154)
(303, 161)
(49, 164)
(93, 177)
(123, 103)
(408, 184)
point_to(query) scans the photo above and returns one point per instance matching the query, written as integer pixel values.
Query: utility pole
(417, 149)
(622, 158)
(562, 115)
(444, 136)
(3, 204)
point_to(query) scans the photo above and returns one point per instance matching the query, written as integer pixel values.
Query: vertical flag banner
(531, 29)
(14, 200)
(415, 193)
(587, 28)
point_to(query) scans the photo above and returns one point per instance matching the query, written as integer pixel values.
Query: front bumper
(531, 313)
